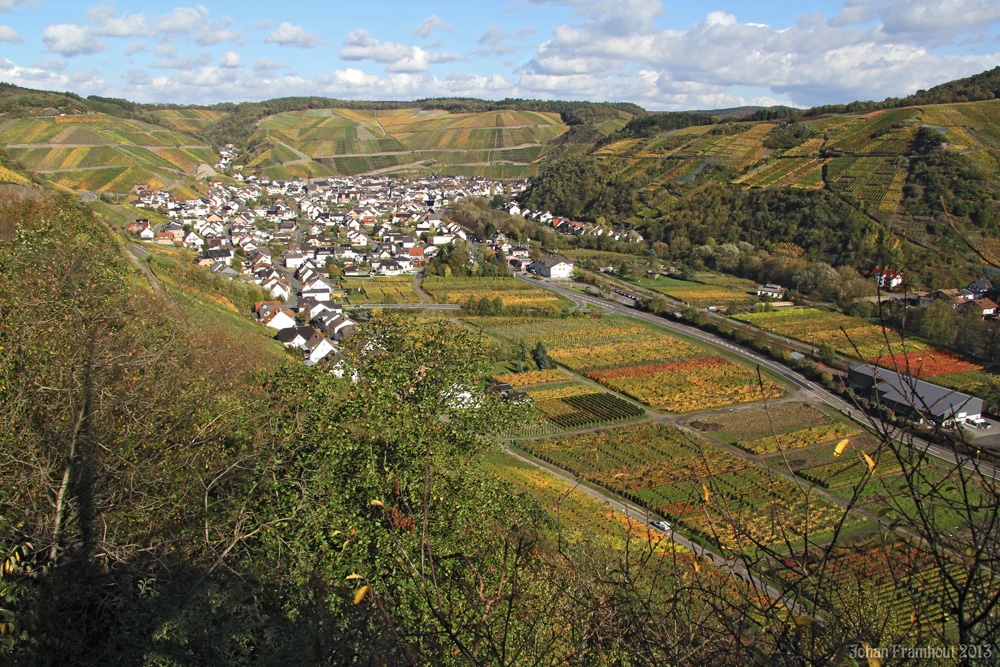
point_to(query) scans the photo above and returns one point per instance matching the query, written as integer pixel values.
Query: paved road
(427, 306)
(87, 196)
(815, 392)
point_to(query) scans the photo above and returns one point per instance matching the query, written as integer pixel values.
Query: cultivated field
(713, 494)
(390, 290)
(96, 152)
(513, 292)
(847, 335)
(646, 364)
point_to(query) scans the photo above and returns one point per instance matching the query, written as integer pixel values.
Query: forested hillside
(911, 187)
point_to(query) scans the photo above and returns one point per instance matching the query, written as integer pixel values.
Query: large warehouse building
(913, 398)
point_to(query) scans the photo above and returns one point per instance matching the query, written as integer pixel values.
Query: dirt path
(418, 278)
(135, 254)
(429, 150)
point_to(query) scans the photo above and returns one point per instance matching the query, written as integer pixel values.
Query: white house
(278, 319)
(317, 348)
(887, 279)
(556, 267)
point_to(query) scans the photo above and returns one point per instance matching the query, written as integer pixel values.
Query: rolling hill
(495, 144)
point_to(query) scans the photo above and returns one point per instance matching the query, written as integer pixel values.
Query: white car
(662, 525)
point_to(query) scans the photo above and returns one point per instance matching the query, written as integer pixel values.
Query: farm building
(772, 291)
(910, 397)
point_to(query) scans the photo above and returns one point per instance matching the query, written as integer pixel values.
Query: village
(285, 236)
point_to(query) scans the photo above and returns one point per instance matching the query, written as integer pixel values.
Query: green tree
(939, 322)
(541, 357)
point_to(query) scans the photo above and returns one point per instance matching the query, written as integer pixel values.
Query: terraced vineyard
(97, 152)
(497, 144)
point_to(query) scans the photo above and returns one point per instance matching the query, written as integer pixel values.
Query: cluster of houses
(313, 327)
(574, 227)
(377, 209)
(972, 299)
(227, 154)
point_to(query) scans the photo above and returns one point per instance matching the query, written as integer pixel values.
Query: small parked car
(662, 525)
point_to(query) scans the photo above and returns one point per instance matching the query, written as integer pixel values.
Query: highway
(814, 391)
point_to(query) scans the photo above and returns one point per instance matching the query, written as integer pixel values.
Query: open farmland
(714, 494)
(642, 362)
(849, 336)
(513, 292)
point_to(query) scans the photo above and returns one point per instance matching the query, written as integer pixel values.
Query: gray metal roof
(923, 396)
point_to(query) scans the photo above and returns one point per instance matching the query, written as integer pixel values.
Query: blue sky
(660, 55)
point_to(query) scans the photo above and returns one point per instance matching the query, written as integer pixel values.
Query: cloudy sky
(659, 54)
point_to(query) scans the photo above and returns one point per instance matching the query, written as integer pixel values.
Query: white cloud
(67, 39)
(938, 17)
(166, 50)
(52, 64)
(184, 62)
(214, 34)
(424, 29)
(287, 34)
(814, 61)
(134, 47)
(230, 59)
(35, 77)
(182, 19)
(267, 66)
(8, 34)
(359, 45)
(7, 5)
(109, 24)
